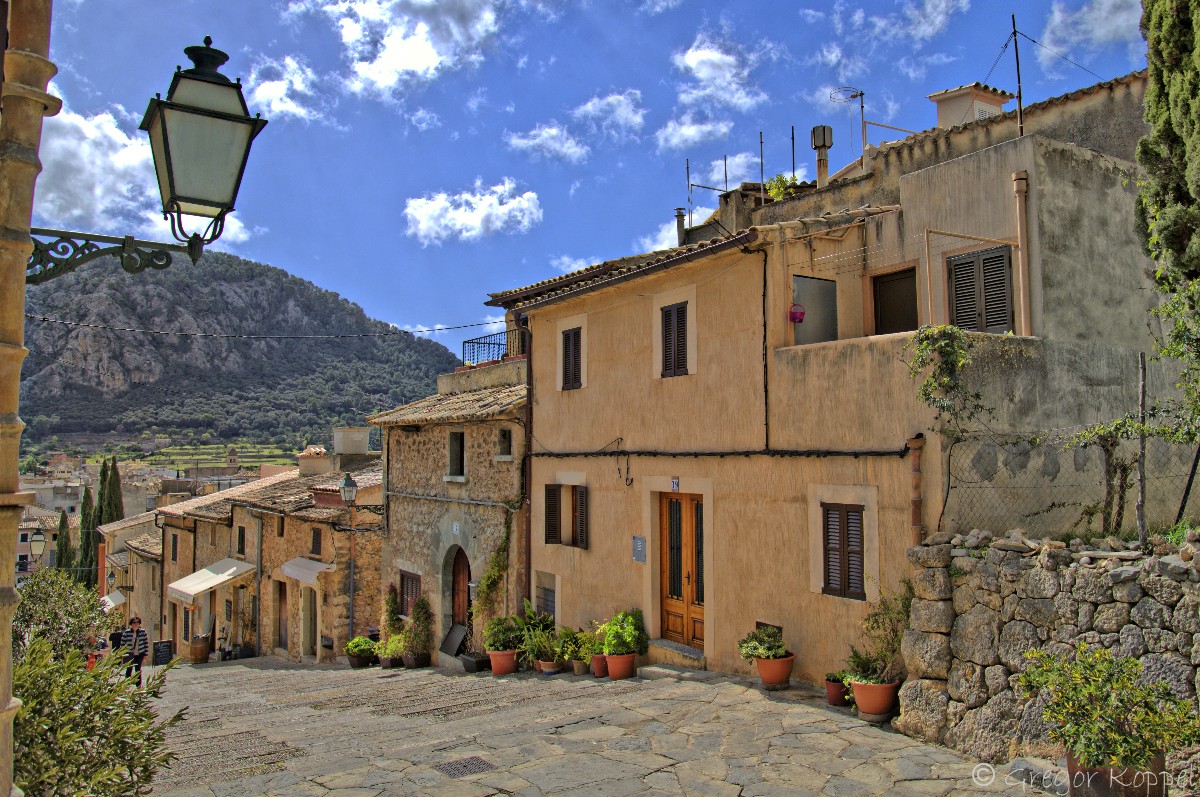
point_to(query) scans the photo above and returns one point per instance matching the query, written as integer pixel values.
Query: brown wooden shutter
(410, 590)
(681, 363)
(553, 514)
(964, 306)
(855, 587)
(580, 532)
(572, 364)
(831, 537)
(996, 279)
(674, 340)
(668, 342)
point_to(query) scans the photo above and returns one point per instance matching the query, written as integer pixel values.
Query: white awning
(112, 600)
(305, 570)
(188, 588)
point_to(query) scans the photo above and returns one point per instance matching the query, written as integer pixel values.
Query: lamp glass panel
(159, 150)
(225, 98)
(207, 155)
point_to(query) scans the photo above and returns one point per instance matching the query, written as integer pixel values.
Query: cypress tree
(85, 572)
(64, 552)
(1168, 210)
(101, 496)
(114, 503)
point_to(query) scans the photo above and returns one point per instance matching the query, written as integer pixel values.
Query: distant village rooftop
(473, 405)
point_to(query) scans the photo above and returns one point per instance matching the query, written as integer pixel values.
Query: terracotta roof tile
(474, 405)
(148, 545)
(976, 85)
(294, 494)
(129, 522)
(368, 479)
(200, 502)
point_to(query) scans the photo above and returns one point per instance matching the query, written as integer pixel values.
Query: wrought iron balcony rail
(508, 343)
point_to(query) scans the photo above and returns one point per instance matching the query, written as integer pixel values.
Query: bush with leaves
(420, 628)
(57, 608)
(82, 731)
(884, 625)
(626, 633)
(360, 646)
(765, 642)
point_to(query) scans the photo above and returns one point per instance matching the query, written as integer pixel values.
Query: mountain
(100, 381)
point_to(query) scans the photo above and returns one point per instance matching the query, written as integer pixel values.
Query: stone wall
(981, 604)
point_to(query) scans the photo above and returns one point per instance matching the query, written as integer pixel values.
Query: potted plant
(246, 630)
(1116, 727)
(541, 646)
(873, 673)
(419, 634)
(595, 648)
(764, 646)
(571, 644)
(836, 691)
(391, 650)
(359, 651)
(624, 638)
(501, 638)
(530, 621)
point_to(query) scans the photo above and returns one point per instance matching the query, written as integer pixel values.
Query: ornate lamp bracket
(66, 251)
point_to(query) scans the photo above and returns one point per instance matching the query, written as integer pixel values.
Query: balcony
(508, 344)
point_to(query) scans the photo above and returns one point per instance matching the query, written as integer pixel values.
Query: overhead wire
(391, 333)
(1063, 57)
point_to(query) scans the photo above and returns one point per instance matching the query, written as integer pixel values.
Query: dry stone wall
(982, 603)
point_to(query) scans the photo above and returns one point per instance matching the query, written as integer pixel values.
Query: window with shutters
(578, 507)
(174, 547)
(241, 540)
(981, 290)
(410, 590)
(674, 340)
(316, 541)
(842, 541)
(572, 358)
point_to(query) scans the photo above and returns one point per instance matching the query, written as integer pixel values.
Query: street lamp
(37, 544)
(111, 580)
(200, 138)
(348, 489)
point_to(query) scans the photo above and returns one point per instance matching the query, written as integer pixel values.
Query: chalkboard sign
(162, 653)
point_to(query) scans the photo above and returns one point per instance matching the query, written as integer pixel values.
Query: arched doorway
(461, 600)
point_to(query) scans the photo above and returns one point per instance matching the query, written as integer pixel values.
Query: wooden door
(462, 597)
(681, 521)
(282, 616)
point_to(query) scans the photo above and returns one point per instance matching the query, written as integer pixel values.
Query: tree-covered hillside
(95, 379)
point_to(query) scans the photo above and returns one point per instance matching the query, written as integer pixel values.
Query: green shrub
(60, 610)
(626, 633)
(393, 646)
(568, 644)
(762, 643)
(1103, 712)
(885, 623)
(540, 645)
(82, 731)
(393, 620)
(501, 633)
(360, 646)
(420, 628)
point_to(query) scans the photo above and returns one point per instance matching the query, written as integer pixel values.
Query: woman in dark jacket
(137, 644)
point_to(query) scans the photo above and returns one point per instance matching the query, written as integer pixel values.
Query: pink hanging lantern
(796, 314)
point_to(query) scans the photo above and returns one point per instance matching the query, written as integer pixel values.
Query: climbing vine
(942, 353)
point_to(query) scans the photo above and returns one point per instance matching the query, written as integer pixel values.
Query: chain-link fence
(1054, 487)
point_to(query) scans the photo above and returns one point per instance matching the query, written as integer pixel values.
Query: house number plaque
(674, 484)
(639, 549)
(455, 527)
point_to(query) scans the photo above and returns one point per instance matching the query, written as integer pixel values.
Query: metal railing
(508, 343)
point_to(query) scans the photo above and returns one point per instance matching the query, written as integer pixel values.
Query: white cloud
(914, 67)
(575, 186)
(742, 166)
(721, 77)
(810, 17)
(931, 17)
(659, 6)
(469, 215)
(1095, 24)
(567, 264)
(832, 55)
(819, 99)
(283, 88)
(551, 141)
(389, 42)
(615, 115)
(425, 330)
(666, 236)
(97, 177)
(495, 323)
(686, 132)
(424, 119)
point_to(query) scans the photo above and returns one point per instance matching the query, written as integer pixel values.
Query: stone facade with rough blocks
(981, 604)
(441, 503)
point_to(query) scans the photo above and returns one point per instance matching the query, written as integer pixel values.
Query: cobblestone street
(267, 727)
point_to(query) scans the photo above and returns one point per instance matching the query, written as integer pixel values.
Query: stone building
(726, 433)
(453, 465)
(123, 567)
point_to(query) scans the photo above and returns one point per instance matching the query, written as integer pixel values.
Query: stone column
(27, 71)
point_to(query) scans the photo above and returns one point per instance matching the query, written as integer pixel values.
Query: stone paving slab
(270, 727)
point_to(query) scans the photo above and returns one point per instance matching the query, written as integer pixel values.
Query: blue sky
(421, 153)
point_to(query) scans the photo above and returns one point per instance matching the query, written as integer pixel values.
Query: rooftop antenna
(762, 174)
(793, 153)
(687, 164)
(1020, 104)
(849, 94)
(727, 174)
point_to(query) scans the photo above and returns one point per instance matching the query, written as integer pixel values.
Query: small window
(410, 590)
(241, 539)
(54, 537)
(572, 358)
(579, 516)
(504, 443)
(71, 508)
(174, 547)
(23, 537)
(316, 541)
(457, 463)
(545, 600)
(842, 540)
(279, 527)
(212, 535)
(981, 290)
(674, 340)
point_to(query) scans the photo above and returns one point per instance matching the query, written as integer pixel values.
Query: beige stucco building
(702, 454)
(453, 465)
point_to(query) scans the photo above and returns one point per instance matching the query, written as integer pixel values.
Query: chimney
(822, 140)
(680, 225)
(314, 461)
(966, 104)
(351, 439)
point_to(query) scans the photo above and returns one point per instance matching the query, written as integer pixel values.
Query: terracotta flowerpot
(621, 666)
(474, 662)
(579, 667)
(776, 673)
(414, 661)
(358, 662)
(877, 699)
(549, 667)
(600, 665)
(536, 665)
(1117, 781)
(835, 693)
(504, 662)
